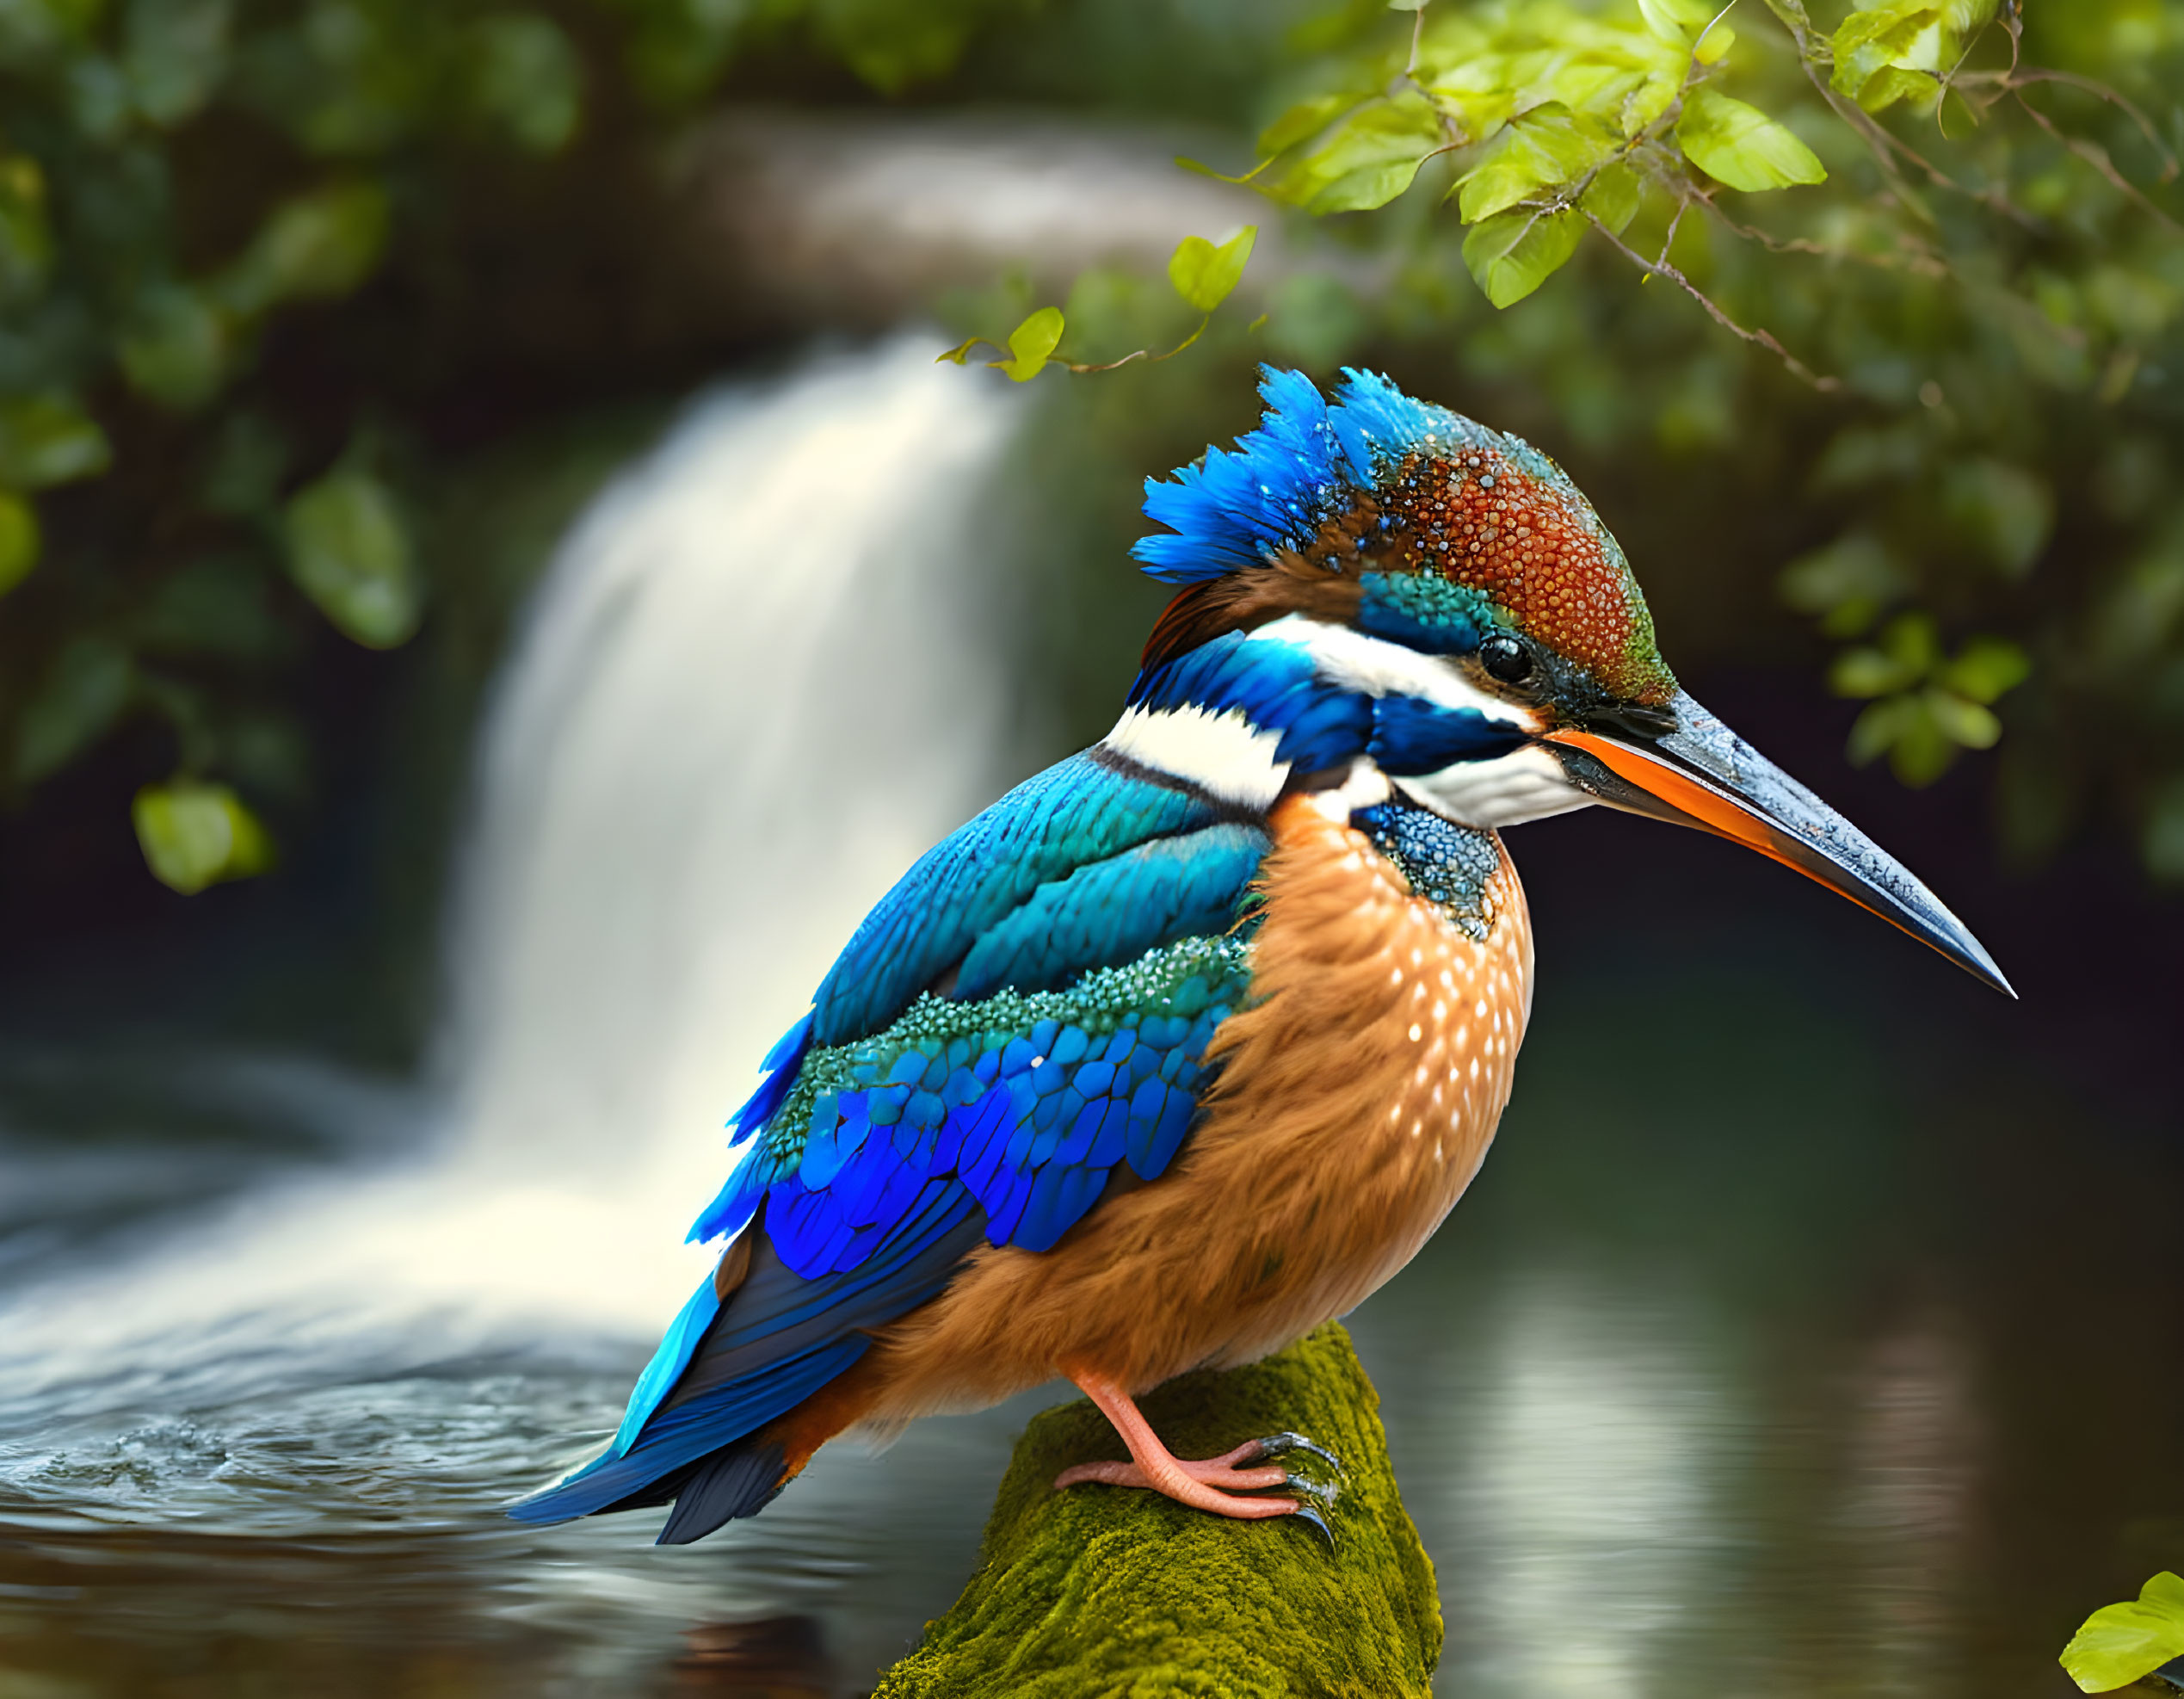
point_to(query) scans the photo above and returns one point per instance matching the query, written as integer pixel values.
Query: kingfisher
(1186, 1044)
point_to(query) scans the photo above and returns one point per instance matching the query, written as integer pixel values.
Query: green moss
(1106, 1593)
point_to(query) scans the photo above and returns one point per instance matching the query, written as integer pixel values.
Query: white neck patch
(1364, 786)
(1221, 753)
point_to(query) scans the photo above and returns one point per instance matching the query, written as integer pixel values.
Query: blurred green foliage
(1203, 275)
(176, 177)
(1896, 284)
(1952, 226)
(1907, 273)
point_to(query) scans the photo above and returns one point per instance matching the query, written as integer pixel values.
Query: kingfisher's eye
(1505, 658)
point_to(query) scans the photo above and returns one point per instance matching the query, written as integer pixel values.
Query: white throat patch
(1526, 784)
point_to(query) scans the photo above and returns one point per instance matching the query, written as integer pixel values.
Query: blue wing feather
(1114, 910)
(1074, 814)
(1092, 916)
(778, 1340)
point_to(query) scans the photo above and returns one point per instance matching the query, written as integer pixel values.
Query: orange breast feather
(1357, 1096)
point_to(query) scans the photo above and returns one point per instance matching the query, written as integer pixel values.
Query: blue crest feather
(1306, 461)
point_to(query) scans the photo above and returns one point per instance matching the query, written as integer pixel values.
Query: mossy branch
(1104, 1590)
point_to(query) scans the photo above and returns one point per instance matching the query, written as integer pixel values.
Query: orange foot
(1214, 1483)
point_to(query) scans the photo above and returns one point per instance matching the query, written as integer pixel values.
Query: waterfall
(760, 677)
(758, 680)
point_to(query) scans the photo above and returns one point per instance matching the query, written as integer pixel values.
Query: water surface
(1811, 1330)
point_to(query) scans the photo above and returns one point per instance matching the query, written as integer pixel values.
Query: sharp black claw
(1325, 1491)
(1312, 1519)
(1274, 1445)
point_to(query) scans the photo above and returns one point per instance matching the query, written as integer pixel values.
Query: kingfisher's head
(1379, 593)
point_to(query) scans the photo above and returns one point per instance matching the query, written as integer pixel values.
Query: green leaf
(1884, 37)
(1613, 197)
(1884, 87)
(18, 539)
(2007, 511)
(318, 245)
(1676, 21)
(1960, 721)
(2119, 1643)
(1846, 583)
(1204, 274)
(1741, 146)
(1868, 672)
(1544, 148)
(525, 80)
(80, 697)
(960, 354)
(1986, 669)
(350, 552)
(1684, 23)
(1512, 253)
(48, 439)
(194, 835)
(1912, 642)
(1909, 651)
(1875, 730)
(176, 347)
(1923, 750)
(1031, 343)
(173, 52)
(1364, 160)
(26, 237)
(1302, 121)
(1905, 729)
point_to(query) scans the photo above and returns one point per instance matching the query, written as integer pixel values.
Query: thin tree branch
(2097, 157)
(2100, 91)
(1758, 338)
(1883, 143)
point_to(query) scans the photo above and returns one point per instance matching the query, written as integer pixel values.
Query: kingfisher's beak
(1699, 773)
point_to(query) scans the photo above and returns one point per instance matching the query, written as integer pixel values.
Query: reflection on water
(1789, 1344)
(1779, 1456)
(1597, 1428)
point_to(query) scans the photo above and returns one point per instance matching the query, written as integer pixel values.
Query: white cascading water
(759, 679)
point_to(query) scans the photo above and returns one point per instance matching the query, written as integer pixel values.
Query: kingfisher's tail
(710, 1426)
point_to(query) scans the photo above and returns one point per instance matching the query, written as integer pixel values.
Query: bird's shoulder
(1027, 1011)
(1082, 865)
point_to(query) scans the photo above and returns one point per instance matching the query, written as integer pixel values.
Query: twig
(1699, 41)
(1145, 354)
(2097, 157)
(2100, 91)
(1883, 143)
(1676, 222)
(1924, 260)
(1759, 338)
